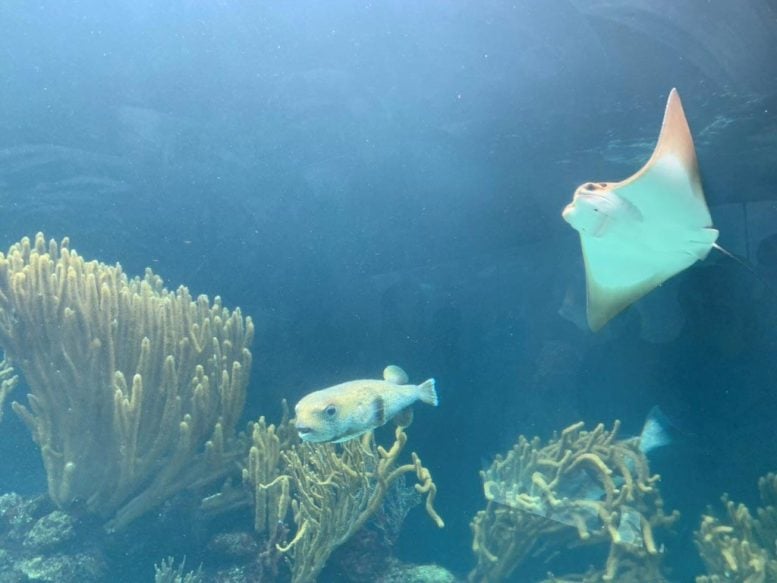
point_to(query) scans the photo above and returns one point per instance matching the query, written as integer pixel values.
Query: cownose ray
(637, 233)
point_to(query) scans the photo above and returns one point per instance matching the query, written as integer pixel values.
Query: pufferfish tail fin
(427, 393)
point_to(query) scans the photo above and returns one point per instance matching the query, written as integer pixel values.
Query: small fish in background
(350, 409)
(656, 431)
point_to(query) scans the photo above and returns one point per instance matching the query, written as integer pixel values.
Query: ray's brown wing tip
(675, 137)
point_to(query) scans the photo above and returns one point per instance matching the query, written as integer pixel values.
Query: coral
(135, 390)
(630, 570)
(337, 491)
(264, 473)
(167, 572)
(370, 552)
(331, 491)
(8, 380)
(743, 547)
(582, 488)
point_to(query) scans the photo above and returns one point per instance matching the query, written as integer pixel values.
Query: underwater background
(381, 183)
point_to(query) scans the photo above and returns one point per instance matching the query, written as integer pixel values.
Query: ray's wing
(667, 189)
(669, 230)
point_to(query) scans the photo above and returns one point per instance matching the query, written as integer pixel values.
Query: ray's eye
(330, 411)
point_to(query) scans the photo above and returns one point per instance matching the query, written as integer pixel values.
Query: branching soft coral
(580, 488)
(135, 390)
(8, 380)
(742, 546)
(330, 491)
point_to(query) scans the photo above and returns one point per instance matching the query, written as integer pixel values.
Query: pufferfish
(348, 410)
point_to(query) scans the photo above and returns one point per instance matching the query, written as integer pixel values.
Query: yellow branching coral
(631, 569)
(331, 491)
(336, 492)
(744, 547)
(168, 572)
(581, 488)
(135, 390)
(263, 472)
(8, 380)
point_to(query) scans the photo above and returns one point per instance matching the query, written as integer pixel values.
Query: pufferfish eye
(330, 411)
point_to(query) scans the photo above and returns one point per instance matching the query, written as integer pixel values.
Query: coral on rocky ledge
(330, 491)
(743, 546)
(581, 488)
(167, 572)
(135, 390)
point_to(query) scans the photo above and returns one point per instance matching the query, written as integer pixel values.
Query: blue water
(381, 182)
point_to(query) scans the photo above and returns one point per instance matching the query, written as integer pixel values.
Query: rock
(402, 573)
(51, 531)
(233, 546)
(15, 516)
(78, 568)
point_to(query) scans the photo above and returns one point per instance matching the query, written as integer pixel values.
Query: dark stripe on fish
(379, 411)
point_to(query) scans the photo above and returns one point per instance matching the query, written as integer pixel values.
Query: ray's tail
(749, 266)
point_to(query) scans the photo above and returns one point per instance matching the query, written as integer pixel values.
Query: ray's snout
(591, 207)
(589, 189)
(566, 214)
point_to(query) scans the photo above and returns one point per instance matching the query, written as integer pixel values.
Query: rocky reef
(41, 543)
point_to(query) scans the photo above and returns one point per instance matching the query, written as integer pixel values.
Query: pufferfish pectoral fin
(404, 418)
